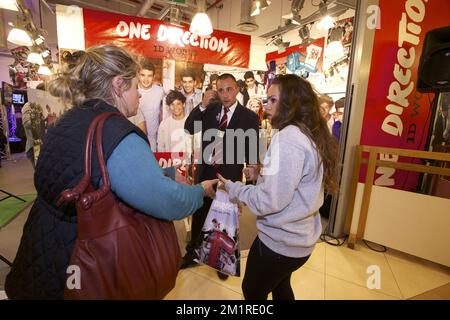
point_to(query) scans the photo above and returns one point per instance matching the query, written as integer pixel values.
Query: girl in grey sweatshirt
(289, 189)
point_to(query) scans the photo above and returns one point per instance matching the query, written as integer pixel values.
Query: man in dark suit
(229, 138)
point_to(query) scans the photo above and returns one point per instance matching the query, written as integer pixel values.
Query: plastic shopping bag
(219, 247)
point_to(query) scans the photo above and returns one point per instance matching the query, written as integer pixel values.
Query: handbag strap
(76, 193)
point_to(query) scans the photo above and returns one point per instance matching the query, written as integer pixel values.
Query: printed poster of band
(168, 75)
(167, 71)
(175, 81)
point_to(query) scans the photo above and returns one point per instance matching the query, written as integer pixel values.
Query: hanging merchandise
(219, 248)
(305, 61)
(28, 64)
(297, 64)
(21, 71)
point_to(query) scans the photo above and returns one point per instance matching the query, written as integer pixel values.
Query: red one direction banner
(396, 114)
(169, 159)
(157, 39)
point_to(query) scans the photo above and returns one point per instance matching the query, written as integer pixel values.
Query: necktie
(218, 149)
(224, 121)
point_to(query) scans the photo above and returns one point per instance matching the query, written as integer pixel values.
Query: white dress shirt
(229, 113)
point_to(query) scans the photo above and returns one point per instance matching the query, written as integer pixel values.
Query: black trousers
(198, 219)
(30, 156)
(268, 271)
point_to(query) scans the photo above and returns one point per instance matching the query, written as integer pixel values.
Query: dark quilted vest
(39, 269)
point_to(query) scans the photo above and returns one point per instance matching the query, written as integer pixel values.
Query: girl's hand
(251, 172)
(222, 179)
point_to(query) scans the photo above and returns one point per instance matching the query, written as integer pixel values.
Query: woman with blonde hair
(102, 79)
(299, 165)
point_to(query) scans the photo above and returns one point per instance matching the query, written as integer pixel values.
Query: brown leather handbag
(120, 253)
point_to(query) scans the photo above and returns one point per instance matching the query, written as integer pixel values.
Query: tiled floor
(331, 272)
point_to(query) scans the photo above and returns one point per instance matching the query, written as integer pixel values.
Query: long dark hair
(299, 106)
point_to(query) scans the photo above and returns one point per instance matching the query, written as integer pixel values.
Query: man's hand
(222, 180)
(209, 97)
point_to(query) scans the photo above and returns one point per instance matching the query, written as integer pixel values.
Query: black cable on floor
(338, 243)
(324, 236)
(383, 248)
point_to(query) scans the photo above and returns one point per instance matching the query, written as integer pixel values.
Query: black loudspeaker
(434, 67)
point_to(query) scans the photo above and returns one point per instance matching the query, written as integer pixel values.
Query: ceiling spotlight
(258, 6)
(46, 53)
(20, 37)
(296, 8)
(326, 23)
(201, 24)
(275, 41)
(304, 34)
(39, 40)
(35, 57)
(292, 18)
(278, 41)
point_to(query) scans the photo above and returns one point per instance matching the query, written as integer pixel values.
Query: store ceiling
(153, 9)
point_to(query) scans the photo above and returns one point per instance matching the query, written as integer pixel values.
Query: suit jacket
(242, 118)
